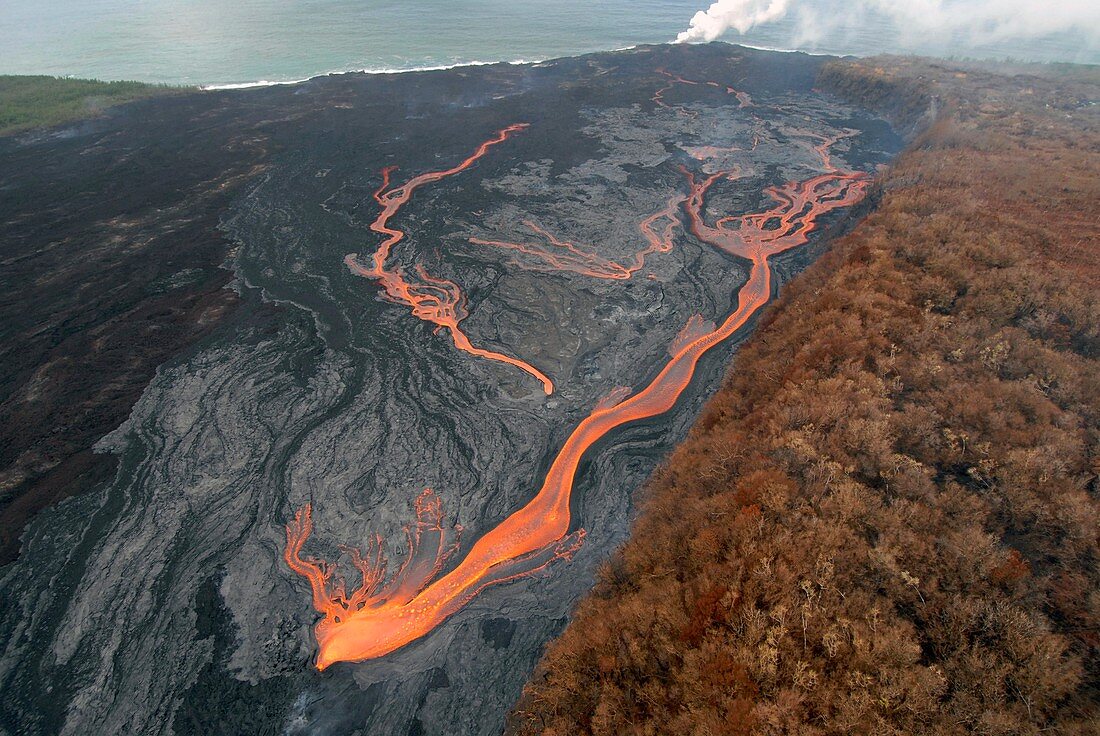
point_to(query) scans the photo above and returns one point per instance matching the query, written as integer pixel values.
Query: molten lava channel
(435, 300)
(381, 616)
(561, 255)
(743, 98)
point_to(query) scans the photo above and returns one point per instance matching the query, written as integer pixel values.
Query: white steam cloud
(974, 20)
(726, 14)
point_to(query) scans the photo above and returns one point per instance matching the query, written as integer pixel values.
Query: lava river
(386, 612)
(435, 300)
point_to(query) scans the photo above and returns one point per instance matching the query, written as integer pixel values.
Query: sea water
(216, 42)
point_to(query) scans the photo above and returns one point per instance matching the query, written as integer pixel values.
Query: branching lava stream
(434, 300)
(566, 256)
(379, 616)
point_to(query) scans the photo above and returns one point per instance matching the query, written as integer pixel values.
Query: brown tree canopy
(887, 520)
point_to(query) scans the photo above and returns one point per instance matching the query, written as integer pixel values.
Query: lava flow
(435, 300)
(743, 98)
(562, 255)
(379, 617)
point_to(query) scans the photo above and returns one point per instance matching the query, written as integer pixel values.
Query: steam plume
(726, 14)
(973, 20)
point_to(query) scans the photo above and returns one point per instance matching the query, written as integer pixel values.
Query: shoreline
(258, 84)
(264, 83)
(391, 70)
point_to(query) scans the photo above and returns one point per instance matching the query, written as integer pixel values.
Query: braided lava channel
(562, 255)
(380, 617)
(435, 300)
(743, 98)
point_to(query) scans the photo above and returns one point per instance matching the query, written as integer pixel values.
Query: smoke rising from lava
(975, 21)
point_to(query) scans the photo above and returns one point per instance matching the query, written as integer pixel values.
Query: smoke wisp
(975, 21)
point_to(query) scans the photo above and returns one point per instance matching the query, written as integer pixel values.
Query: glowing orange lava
(380, 617)
(435, 300)
(702, 153)
(562, 255)
(743, 98)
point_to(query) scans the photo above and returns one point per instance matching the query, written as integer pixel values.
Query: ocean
(222, 42)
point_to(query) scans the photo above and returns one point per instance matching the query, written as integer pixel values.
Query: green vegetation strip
(38, 101)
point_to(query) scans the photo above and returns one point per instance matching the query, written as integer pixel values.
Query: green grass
(38, 101)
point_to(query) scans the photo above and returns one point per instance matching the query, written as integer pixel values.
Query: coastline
(221, 86)
(395, 70)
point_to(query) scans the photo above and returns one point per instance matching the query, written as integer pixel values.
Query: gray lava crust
(159, 603)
